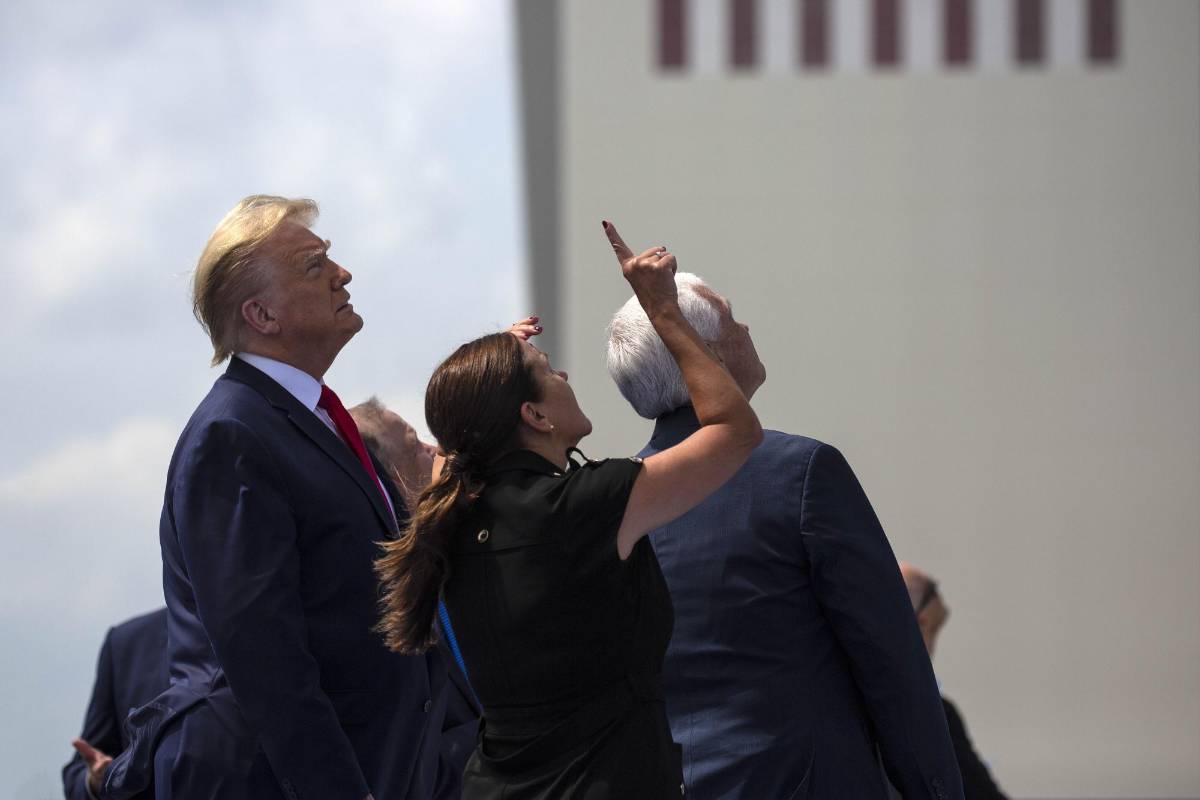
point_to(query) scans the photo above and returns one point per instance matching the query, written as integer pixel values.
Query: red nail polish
(604, 224)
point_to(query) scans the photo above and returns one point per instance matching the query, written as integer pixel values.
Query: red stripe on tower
(743, 43)
(885, 36)
(1102, 31)
(958, 32)
(672, 52)
(814, 33)
(1029, 42)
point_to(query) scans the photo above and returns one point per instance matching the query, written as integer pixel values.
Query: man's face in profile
(735, 347)
(307, 291)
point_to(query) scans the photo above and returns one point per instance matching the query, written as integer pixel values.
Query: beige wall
(985, 289)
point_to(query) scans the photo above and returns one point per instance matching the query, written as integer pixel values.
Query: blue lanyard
(452, 642)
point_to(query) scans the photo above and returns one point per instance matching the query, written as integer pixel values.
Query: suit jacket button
(428, 705)
(483, 536)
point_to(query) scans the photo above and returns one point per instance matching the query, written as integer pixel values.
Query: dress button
(483, 536)
(428, 705)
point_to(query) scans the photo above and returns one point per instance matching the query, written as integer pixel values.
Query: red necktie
(345, 425)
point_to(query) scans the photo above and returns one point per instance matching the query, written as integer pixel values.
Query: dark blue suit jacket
(796, 659)
(279, 686)
(131, 670)
(461, 727)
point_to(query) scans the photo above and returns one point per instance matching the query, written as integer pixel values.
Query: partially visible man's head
(265, 279)
(408, 460)
(927, 603)
(643, 368)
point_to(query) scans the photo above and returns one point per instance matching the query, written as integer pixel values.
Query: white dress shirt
(298, 383)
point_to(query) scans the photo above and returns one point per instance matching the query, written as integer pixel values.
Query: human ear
(259, 317)
(532, 416)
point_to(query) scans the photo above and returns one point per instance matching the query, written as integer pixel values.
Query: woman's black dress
(563, 641)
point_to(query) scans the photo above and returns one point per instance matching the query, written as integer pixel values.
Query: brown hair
(227, 274)
(473, 408)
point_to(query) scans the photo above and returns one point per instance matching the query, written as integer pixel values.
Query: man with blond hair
(272, 512)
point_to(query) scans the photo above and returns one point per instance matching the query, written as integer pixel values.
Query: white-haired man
(272, 512)
(795, 661)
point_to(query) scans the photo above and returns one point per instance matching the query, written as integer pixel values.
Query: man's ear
(259, 317)
(532, 416)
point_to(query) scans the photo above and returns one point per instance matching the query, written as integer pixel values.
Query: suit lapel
(340, 452)
(316, 430)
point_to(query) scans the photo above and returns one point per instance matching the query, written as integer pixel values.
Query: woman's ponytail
(414, 567)
(473, 408)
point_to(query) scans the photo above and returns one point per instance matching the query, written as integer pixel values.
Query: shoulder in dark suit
(795, 659)
(280, 687)
(978, 783)
(131, 670)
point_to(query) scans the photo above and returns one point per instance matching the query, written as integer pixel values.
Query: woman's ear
(260, 318)
(532, 416)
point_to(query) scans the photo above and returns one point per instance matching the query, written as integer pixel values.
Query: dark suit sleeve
(240, 543)
(857, 582)
(101, 725)
(977, 778)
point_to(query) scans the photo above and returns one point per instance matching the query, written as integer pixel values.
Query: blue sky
(129, 130)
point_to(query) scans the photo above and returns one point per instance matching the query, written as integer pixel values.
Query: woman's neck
(552, 450)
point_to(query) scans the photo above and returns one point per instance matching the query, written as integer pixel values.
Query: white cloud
(310, 98)
(89, 510)
(131, 129)
(127, 465)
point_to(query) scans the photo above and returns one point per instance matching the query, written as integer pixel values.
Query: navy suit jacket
(461, 725)
(796, 659)
(279, 686)
(131, 670)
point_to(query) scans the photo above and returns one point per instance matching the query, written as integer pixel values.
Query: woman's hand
(651, 274)
(525, 329)
(678, 479)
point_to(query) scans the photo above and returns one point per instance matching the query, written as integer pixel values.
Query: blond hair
(228, 273)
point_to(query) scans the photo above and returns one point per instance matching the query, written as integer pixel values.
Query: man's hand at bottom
(97, 763)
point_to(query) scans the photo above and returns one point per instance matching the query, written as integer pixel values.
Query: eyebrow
(322, 248)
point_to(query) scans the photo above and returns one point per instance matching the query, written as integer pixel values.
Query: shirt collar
(298, 383)
(674, 426)
(523, 461)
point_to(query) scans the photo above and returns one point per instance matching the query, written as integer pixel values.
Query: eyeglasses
(931, 591)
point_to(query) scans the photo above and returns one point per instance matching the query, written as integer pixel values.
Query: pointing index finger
(618, 244)
(85, 750)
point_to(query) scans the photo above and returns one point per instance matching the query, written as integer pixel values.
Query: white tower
(966, 237)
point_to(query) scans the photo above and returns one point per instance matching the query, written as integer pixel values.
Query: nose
(563, 374)
(342, 277)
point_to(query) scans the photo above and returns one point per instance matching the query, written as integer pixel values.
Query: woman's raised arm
(676, 480)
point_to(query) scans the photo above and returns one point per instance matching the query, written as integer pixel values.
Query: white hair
(640, 363)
